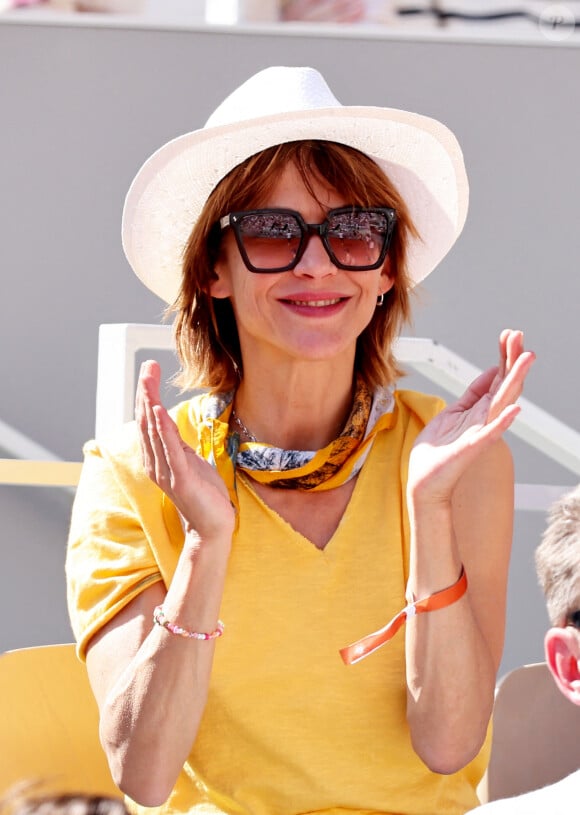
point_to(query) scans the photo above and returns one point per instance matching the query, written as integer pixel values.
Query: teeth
(317, 303)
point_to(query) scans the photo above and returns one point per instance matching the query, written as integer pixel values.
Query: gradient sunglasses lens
(270, 239)
(356, 238)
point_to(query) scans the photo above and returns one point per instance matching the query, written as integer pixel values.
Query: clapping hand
(456, 436)
(192, 484)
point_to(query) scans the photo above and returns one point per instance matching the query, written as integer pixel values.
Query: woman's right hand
(192, 484)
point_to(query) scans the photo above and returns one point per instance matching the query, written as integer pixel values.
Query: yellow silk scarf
(323, 469)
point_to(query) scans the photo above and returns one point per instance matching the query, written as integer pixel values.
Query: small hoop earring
(381, 299)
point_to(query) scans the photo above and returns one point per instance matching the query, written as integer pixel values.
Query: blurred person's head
(558, 568)
(25, 799)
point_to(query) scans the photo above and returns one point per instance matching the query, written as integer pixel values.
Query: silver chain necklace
(242, 426)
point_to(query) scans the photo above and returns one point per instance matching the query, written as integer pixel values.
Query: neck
(302, 410)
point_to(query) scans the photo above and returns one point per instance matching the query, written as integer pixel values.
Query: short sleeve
(110, 559)
(125, 534)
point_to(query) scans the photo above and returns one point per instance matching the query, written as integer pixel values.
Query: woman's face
(313, 312)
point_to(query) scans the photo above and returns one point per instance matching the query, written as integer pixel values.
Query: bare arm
(460, 496)
(151, 686)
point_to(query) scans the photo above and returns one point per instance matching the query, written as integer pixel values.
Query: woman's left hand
(456, 436)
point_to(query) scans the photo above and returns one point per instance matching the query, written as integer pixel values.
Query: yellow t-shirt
(288, 728)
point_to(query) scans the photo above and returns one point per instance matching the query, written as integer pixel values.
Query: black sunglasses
(273, 240)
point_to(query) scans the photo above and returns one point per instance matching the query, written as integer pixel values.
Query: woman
(288, 234)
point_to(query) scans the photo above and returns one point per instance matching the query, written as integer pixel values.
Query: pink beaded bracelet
(159, 618)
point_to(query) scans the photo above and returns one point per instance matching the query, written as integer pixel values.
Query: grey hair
(557, 558)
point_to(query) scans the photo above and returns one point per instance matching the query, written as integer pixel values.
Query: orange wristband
(365, 646)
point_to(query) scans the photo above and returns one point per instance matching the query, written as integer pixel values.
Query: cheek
(234, 281)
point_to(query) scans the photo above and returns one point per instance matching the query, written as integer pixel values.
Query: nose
(315, 261)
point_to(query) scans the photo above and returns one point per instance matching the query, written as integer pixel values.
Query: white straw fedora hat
(277, 105)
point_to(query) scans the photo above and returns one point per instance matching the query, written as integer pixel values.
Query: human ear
(220, 286)
(386, 281)
(562, 650)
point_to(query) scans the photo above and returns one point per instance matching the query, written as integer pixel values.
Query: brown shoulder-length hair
(206, 334)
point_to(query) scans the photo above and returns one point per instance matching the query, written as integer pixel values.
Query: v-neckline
(331, 542)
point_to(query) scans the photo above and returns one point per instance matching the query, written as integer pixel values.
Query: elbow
(447, 755)
(442, 761)
(145, 791)
(146, 781)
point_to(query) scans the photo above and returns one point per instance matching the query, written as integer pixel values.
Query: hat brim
(418, 154)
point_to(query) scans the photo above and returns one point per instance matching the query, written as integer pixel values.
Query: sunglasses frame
(233, 220)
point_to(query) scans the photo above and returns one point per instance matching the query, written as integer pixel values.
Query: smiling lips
(314, 303)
